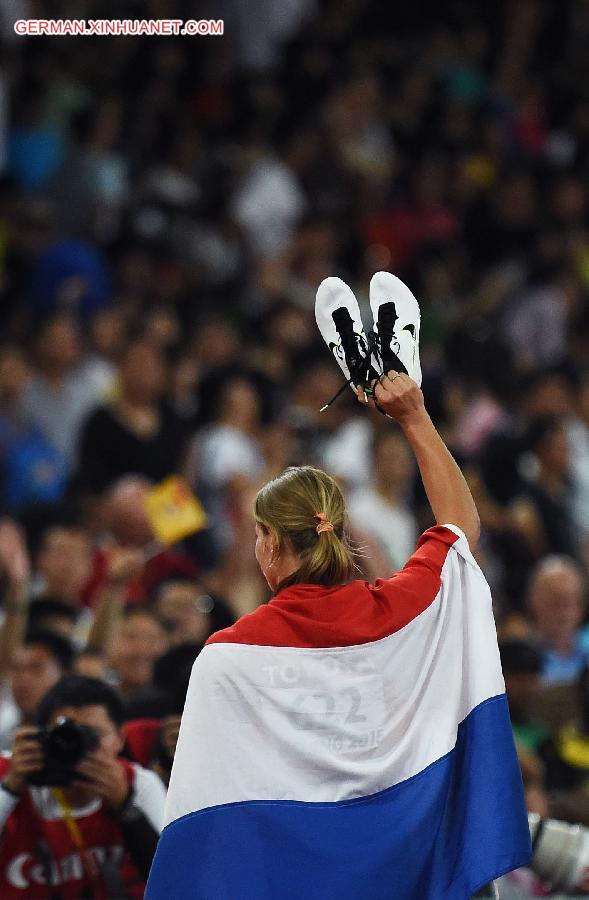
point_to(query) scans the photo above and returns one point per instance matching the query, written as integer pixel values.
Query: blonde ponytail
(296, 506)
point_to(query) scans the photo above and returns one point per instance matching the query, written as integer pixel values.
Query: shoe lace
(357, 351)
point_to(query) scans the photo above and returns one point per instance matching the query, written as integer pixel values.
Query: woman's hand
(399, 396)
(447, 491)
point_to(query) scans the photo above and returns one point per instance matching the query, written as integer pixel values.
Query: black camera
(64, 746)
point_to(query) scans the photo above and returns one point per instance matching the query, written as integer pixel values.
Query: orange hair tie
(324, 524)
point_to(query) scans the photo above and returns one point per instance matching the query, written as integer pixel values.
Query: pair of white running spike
(393, 342)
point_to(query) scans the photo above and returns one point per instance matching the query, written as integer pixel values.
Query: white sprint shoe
(396, 323)
(340, 323)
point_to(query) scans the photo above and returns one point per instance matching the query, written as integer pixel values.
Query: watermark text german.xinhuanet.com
(110, 27)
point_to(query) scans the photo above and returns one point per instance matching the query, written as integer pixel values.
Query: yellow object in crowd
(573, 747)
(174, 511)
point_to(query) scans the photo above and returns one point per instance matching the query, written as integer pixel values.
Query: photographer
(37, 664)
(76, 820)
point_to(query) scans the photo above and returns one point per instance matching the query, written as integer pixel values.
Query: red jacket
(37, 819)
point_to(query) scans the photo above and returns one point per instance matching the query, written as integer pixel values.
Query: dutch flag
(349, 742)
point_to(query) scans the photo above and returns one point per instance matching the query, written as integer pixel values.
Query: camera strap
(89, 863)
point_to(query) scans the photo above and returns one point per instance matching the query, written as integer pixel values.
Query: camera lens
(68, 742)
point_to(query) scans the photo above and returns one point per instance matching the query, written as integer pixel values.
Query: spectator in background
(58, 398)
(62, 565)
(536, 321)
(125, 641)
(37, 666)
(33, 470)
(539, 396)
(90, 185)
(548, 489)
(188, 613)
(509, 472)
(336, 438)
(521, 662)
(124, 511)
(133, 433)
(566, 760)
(268, 203)
(118, 806)
(382, 511)
(172, 676)
(137, 643)
(556, 606)
(127, 529)
(107, 337)
(226, 455)
(152, 741)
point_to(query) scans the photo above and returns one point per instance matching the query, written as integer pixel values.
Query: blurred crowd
(168, 208)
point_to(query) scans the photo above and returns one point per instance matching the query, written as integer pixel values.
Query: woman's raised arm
(446, 488)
